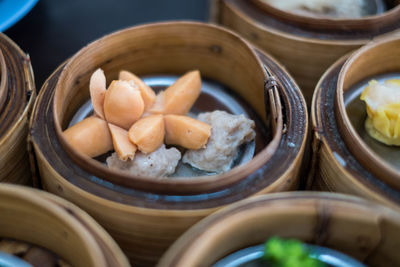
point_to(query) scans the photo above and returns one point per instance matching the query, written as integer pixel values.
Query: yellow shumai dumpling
(383, 108)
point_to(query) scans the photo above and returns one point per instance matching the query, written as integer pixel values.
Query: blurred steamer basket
(359, 228)
(305, 45)
(345, 158)
(17, 95)
(34, 221)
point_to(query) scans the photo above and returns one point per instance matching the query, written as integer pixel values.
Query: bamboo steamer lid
(362, 229)
(146, 216)
(306, 46)
(342, 159)
(42, 219)
(17, 95)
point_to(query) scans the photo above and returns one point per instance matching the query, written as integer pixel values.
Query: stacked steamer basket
(306, 45)
(146, 215)
(17, 94)
(45, 230)
(346, 158)
(359, 228)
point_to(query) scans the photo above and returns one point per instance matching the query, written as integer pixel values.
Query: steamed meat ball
(228, 132)
(159, 163)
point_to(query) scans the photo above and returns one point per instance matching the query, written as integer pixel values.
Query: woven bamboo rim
(17, 95)
(58, 226)
(146, 223)
(364, 23)
(3, 80)
(334, 167)
(360, 228)
(377, 57)
(77, 67)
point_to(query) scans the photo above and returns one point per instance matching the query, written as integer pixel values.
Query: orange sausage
(148, 133)
(97, 88)
(90, 136)
(123, 104)
(186, 132)
(180, 96)
(147, 93)
(124, 148)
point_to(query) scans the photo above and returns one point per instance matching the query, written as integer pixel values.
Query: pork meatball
(228, 132)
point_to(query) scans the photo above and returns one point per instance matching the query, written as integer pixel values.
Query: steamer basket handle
(271, 98)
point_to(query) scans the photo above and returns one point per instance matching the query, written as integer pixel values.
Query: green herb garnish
(289, 253)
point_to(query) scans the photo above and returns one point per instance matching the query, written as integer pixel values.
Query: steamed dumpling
(383, 108)
(331, 8)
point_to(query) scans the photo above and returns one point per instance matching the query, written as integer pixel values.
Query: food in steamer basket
(150, 132)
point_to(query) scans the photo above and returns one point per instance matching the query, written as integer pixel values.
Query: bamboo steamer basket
(144, 215)
(41, 219)
(17, 95)
(306, 46)
(362, 229)
(342, 160)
